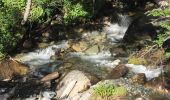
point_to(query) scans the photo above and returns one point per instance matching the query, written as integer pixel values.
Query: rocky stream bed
(70, 69)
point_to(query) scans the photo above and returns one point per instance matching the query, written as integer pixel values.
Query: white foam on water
(149, 73)
(108, 63)
(44, 53)
(101, 59)
(116, 31)
(40, 57)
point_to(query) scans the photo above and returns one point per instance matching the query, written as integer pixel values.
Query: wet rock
(28, 44)
(92, 50)
(49, 35)
(139, 79)
(100, 38)
(81, 46)
(119, 51)
(48, 68)
(118, 72)
(97, 37)
(10, 67)
(50, 77)
(65, 66)
(44, 40)
(73, 83)
(48, 95)
(59, 54)
(43, 45)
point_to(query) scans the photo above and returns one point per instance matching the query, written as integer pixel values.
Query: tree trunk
(27, 11)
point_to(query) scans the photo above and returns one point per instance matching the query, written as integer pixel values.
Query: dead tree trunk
(27, 11)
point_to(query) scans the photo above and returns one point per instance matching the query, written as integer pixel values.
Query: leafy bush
(12, 11)
(160, 12)
(105, 90)
(73, 11)
(11, 14)
(164, 24)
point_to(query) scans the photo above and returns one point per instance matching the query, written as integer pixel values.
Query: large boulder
(10, 67)
(73, 83)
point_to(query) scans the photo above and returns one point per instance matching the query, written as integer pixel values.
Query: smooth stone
(43, 45)
(118, 72)
(28, 44)
(11, 67)
(81, 46)
(82, 82)
(92, 50)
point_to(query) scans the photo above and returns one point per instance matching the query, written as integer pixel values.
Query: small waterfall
(41, 57)
(117, 28)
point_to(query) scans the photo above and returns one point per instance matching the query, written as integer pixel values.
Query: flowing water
(99, 64)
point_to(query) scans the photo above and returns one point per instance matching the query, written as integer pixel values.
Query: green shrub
(105, 90)
(160, 12)
(12, 11)
(164, 24)
(73, 11)
(11, 15)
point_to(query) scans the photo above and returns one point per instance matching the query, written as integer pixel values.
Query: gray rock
(82, 83)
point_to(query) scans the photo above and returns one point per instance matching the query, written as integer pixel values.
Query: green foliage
(20, 4)
(164, 24)
(167, 54)
(160, 40)
(160, 12)
(162, 37)
(36, 12)
(11, 15)
(73, 11)
(42, 10)
(107, 89)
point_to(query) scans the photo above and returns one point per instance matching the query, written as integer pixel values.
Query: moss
(137, 61)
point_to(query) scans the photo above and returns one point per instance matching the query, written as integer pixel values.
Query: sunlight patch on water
(150, 73)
